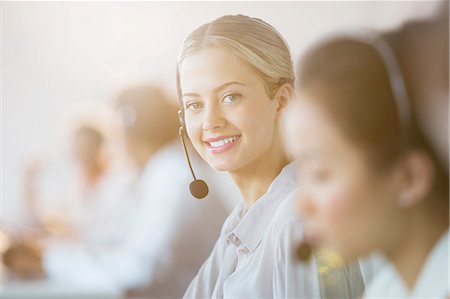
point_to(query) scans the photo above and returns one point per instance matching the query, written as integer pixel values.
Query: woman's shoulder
(287, 215)
(286, 186)
(386, 283)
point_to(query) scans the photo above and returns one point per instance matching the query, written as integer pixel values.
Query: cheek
(194, 133)
(340, 206)
(348, 217)
(257, 122)
(193, 128)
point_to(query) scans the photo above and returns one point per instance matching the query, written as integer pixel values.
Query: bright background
(59, 56)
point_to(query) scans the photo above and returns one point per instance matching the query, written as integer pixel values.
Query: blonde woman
(235, 76)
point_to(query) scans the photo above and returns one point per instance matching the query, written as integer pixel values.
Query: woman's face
(348, 206)
(86, 148)
(229, 116)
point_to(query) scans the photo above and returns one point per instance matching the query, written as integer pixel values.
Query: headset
(198, 188)
(399, 91)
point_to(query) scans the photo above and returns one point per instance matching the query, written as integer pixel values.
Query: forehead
(307, 128)
(302, 116)
(212, 67)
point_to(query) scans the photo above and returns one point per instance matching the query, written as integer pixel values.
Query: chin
(347, 254)
(221, 165)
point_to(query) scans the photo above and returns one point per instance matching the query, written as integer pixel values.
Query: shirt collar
(248, 229)
(434, 278)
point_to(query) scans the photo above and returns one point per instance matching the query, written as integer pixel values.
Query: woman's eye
(193, 106)
(231, 98)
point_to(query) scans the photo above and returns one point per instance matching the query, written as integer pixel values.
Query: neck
(254, 179)
(425, 227)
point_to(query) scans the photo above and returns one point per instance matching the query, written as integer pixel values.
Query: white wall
(58, 54)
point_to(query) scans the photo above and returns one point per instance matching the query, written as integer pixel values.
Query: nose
(213, 120)
(305, 204)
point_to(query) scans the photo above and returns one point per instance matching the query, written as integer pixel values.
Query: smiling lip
(222, 144)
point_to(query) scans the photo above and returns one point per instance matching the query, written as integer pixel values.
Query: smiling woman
(230, 117)
(235, 76)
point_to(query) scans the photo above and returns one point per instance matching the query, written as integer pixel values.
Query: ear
(416, 175)
(283, 96)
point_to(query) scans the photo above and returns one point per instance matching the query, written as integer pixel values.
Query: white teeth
(222, 142)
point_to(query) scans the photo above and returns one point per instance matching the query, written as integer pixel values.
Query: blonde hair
(253, 41)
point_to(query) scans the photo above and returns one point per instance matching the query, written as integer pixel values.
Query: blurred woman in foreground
(370, 178)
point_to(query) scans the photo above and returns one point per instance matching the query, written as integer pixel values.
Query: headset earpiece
(304, 252)
(181, 119)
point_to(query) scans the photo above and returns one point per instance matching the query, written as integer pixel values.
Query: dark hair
(348, 78)
(351, 82)
(422, 48)
(149, 114)
(92, 134)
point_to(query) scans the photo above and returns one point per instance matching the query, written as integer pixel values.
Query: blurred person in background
(372, 178)
(94, 184)
(235, 76)
(168, 233)
(76, 197)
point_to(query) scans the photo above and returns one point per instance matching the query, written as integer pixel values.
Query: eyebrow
(193, 94)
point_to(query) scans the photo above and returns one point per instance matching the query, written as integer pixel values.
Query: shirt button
(243, 250)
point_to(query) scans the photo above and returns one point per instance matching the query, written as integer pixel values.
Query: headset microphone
(198, 188)
(304, 251)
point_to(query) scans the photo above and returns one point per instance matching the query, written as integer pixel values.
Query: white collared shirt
(253, 257)
(432, 282)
